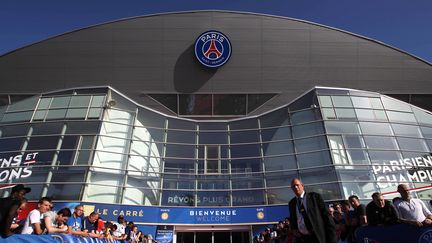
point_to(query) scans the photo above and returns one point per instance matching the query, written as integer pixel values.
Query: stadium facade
(137, 117)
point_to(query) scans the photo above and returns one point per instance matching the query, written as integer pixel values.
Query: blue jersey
(76, 223)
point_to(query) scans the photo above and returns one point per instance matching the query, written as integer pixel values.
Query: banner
(400, 233)
(165, 234)
(184, 215)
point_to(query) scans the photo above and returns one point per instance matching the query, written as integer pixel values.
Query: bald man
(309, 217)
(411, 210)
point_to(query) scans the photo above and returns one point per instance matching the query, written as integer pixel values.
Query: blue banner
(185, 215)
(400, 233)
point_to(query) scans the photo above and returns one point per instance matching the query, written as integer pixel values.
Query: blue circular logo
(212, 49)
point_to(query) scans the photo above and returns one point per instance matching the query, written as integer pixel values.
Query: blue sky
(400, 23)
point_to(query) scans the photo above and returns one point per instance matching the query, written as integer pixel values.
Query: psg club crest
(212, 49)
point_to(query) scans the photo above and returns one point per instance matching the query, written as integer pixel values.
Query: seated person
(412, 210)
(56, 222)
(380, 211)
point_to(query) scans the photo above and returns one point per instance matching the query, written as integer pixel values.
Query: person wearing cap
(10, 205)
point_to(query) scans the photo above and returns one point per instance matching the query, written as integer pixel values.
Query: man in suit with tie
(309, 217)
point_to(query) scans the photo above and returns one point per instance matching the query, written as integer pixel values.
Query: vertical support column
(131, 131)
(262, 162)
(54, 162)
(229, 165)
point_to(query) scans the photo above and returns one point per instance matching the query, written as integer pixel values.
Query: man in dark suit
(309, 217)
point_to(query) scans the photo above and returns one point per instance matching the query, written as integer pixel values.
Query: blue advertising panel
(165, 234)
(184, 215)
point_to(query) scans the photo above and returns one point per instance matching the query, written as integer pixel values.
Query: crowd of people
(311, 221)
(43, 220)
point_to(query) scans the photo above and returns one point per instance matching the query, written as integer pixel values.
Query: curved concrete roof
(154, 54)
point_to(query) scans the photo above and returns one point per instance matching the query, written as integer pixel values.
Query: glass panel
(40, 115)
(406, 130)
(76, 113)
(363, 114)
(314, 159)
(375, 128)
(97, 101)
(82, 127)
(213, 138)
(141, 190)
(310, 144)
(374, 142)
(180, 151)
(393, 104)
(320, 175)
(56, 114)
(305, 116)
(412, 144)
(103, 187)
(94, 113)
(328, 113)
(168, 100)
(280, 163)
(17, 116)
(248, 181)
(362, 189)
(422, 116)
(249, 197)
(281, 133)
(213, 198)
(327, 191)
(341, 101)
(381, 157)
(357, 157)
(308, 130)
(199, 104)
(353, 141)
(278, 148)
(11, 144)
(44, 103)
(367, 102)
(279, 195)
(60, 102)
(325, 101)
(64, 191)
(345, 113)
(342, 127)
(246, 165)
(14, 131)
(427, 132)
(45, 142)
(26, 104)
(280, 179)
(174, 136)
(244, 124)
(229, 104)
(249, 136)
(179, 166)
(80, 101)
(247, 150)
(174, 123)
(401, 117)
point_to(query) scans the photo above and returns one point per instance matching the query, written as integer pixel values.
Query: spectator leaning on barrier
(33, 222)
(380, 211)
(120, 233)
(412, 210)
(56, 222)
(75, 222)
